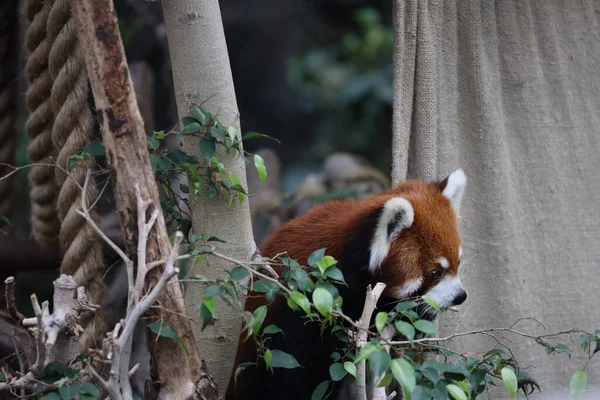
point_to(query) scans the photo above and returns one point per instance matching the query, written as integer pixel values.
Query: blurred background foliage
(350, 83)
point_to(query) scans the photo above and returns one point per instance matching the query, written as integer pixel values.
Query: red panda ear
(453, 187)
(396, 215)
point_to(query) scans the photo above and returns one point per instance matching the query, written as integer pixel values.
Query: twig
(9, 295)
(379, 392)
(487, 331)
(86, 214)
(120, 345)
(362, 336)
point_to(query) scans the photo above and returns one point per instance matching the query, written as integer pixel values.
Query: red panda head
(416, 247)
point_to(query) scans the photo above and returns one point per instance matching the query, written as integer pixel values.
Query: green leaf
(62, 369)
(379, 361)
(236, 182)
(351, 368)
(255, 135)
(385, 381)
(320, 391)
(380, 321)
(258, 317)
(239, 273)
(464, 386)
(564, 348)
(206, 249)
(270, 289)
(268, 358)
(510, 381)
(404, 373)
(405, 305)
(584, 342)
(273, 329)
(89, 389)
(153, 143)
(281, 359)
(431, 302)
(218, 132)
(232, 132)
(163, 329)
(301, 277)
(192, 127)
(406, 329)
(335, 273)
(94, 148)
(259, 163)
(325, 263)
(425, 326)
(578, 383)
(197, 237)
(323, 301)
(366, 351)
(337, 371)
(206, 311)
(316, 255)
(456, 392)
(301, 300)
(200, 115)
(213, 291)
(5, 219)
(208, 148)
(68, 392)
(210, 302)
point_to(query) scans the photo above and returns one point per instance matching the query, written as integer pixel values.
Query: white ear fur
(455, 188)
(397, 215)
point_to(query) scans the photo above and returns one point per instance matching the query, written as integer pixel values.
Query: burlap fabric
(509, 90)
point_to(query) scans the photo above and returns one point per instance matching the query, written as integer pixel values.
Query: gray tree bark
(202, 74)
(179, 374)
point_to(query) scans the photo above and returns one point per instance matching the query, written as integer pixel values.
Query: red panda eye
(435, 274)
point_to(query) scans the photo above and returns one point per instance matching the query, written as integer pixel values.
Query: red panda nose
(459, 298)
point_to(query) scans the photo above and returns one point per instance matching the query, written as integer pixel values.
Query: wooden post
(176, 371)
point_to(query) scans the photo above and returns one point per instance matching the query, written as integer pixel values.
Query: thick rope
(44, 221)
(9, 31)
(73, 127)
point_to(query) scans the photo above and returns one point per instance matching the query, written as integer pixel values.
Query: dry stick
(362, 336)
(379, 392)
(37, 370)
(9, 295)
(129, 162)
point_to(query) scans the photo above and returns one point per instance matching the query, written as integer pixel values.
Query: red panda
(406, 237)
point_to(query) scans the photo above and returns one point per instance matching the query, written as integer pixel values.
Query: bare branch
(9, 295)
(86, 214)
(371, 299)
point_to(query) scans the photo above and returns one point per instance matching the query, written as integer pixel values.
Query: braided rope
(44, 221)
(8, 96)
(73, 127)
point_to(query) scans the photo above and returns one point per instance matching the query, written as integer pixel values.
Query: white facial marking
(445, 291)
(443, 261)
(455, 188)
(380, 246)
(409, 288)
(459, 252)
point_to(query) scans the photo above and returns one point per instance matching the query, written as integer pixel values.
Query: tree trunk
(129, 162)
(202, 74)
(405, 25)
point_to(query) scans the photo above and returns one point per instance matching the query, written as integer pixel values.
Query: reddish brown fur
(433, 234)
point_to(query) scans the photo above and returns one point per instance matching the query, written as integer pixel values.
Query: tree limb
(128, 158)
(362, 336)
